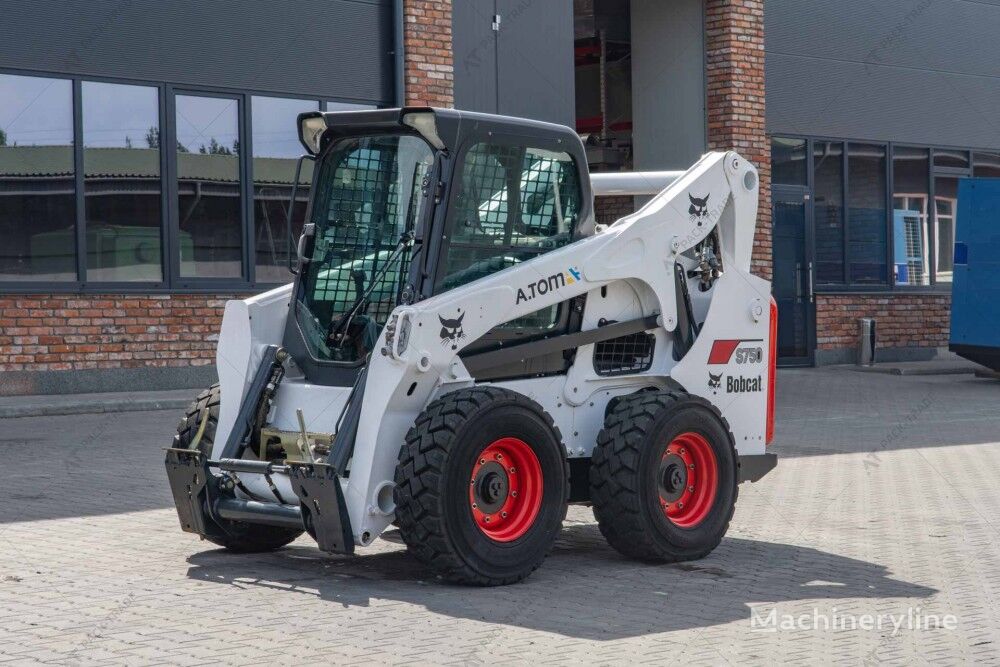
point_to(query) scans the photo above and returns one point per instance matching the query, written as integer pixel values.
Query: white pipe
(632, 182)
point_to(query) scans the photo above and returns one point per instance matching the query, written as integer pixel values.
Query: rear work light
(772, 371)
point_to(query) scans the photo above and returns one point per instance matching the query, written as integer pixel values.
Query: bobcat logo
(699, 207)
(714, 381)
(451, 330)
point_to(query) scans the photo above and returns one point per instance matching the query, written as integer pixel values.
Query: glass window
(951, 158)
(788, 161)
(910, 198)
(208, 187)
(37, 187)
(121, 165)
(986, 164)
(513, 203)
(276, 148)
(866, 232)
(828, 176)
(369, 196)
(347, 106)
(945, 213)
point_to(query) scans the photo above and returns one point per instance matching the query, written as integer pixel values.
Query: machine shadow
(584, 590)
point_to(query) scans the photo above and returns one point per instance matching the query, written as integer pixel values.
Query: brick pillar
(427, 57)
(734, 57)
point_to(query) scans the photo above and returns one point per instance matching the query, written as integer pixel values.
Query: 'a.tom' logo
(698, 210)
(549, 284)
(451, 330)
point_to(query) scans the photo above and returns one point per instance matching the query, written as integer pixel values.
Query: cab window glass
(514, 203)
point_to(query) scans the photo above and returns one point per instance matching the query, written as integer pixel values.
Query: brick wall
(902, 320)
(428, 62)
(734, 69)
(77, 332)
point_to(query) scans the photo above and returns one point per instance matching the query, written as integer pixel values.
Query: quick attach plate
(187, 471)
(323, 511)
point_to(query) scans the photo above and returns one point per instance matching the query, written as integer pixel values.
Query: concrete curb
(896, 370)
(91, 406)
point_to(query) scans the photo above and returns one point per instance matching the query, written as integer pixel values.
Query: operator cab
(406, 203)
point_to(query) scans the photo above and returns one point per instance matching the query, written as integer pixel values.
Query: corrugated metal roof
(55, 161)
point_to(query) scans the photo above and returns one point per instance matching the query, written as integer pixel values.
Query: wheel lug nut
(512, 470)
(682, 450)
(499, 457)
(691, 488)
(487, 519)
(482, 461)
(503, 514)
(514, 493)
(691, 465)
(475, 506)
(679, 506)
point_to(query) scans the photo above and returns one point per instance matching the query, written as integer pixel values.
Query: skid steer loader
(464, 352)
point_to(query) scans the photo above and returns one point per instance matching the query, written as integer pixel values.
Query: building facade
(148, 151)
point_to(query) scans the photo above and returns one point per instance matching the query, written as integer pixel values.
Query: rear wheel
(663, 477)
(481, 486)
(199, 424)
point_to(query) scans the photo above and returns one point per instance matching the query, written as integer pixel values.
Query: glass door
(792, 283)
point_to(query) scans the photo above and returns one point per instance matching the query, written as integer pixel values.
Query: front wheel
(663, 477)
(481, 486)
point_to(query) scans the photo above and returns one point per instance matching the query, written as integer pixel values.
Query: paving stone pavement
(885, 501)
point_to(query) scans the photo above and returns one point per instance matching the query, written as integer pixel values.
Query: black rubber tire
(432, 485)
(233, 535)
(623, 485)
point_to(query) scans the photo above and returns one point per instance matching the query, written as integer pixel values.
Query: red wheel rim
(687, 480)
(505, 489)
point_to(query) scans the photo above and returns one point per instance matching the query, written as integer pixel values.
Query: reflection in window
(276, 148)
(986, 165)
(788, 161)
(828, 176)
(514, 204)
(945, 209)
(866, 233)
(208, 187)
(911, 247)
(510, 197)
(121, 164)
(37, 205)
(951, 159)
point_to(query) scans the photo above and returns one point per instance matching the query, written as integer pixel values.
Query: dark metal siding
(535, 60)
(524, 69)
(475, 56)
(923, 71)
(336, 48)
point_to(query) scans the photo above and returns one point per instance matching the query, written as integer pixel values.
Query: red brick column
(734, 58)
(427, 57)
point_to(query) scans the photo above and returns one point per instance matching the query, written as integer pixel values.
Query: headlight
(424, 123)
(311, 129)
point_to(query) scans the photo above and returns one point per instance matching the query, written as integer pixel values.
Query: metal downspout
(399, 74)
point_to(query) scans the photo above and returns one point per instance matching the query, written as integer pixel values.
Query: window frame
(172, 282)
(845, 287)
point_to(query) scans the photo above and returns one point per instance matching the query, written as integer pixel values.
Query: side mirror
(291, 212)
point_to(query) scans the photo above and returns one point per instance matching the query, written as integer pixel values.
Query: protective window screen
(370, 194)
(624, 355)
(514, 202)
